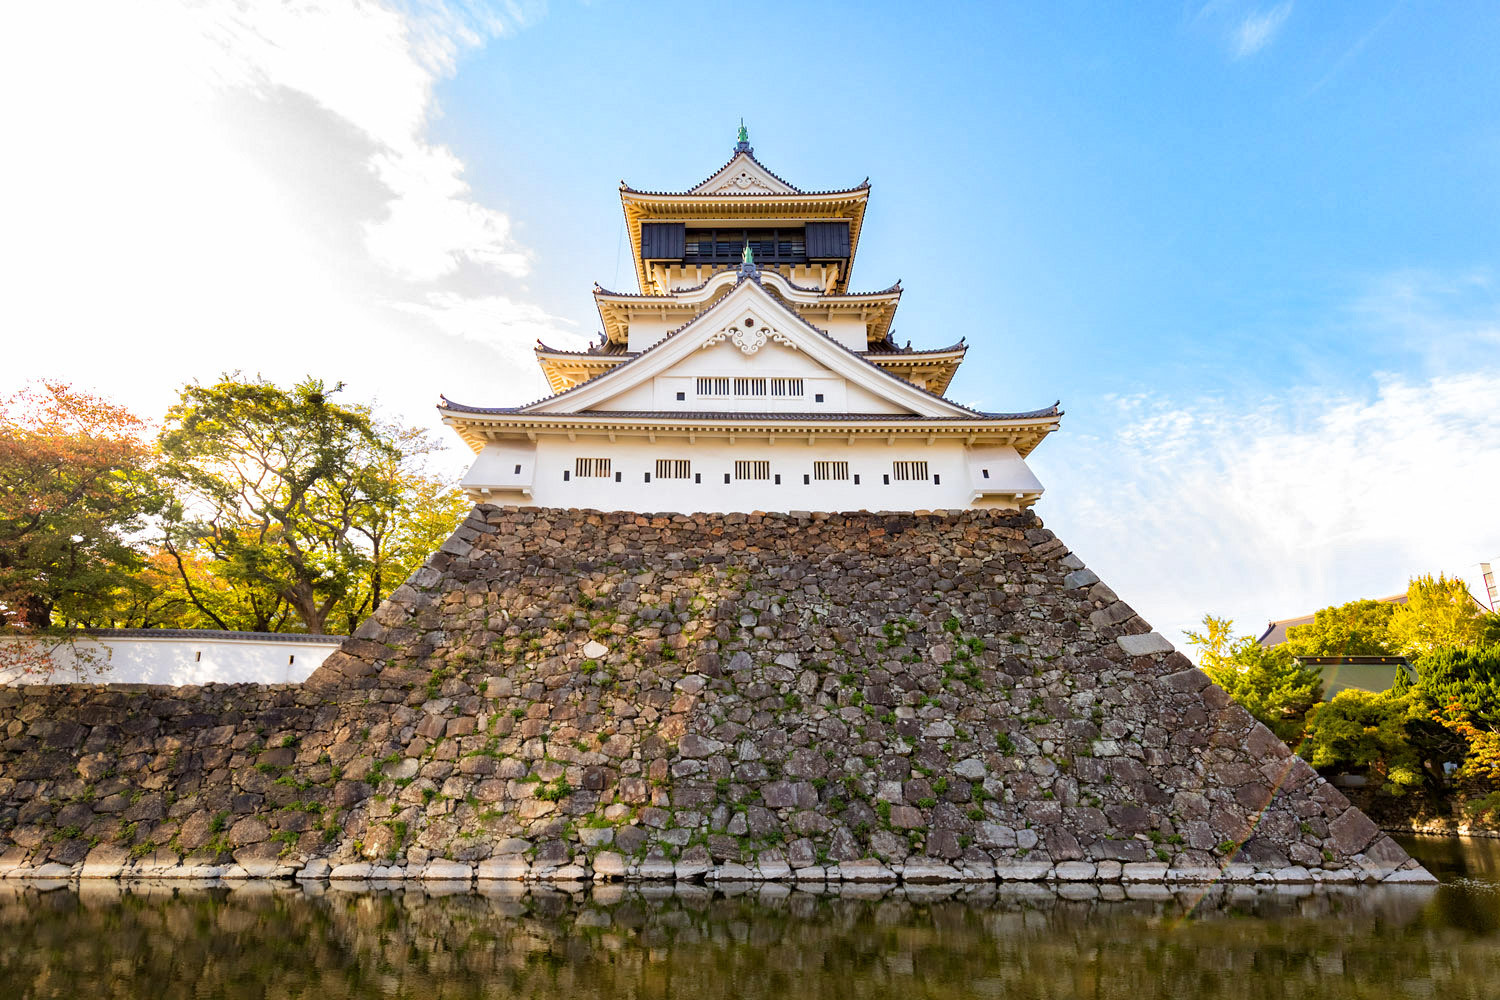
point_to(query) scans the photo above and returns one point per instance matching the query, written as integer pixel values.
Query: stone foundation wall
(570, 694)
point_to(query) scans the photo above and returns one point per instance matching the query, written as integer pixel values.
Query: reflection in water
(752, 941)
(1470, 871)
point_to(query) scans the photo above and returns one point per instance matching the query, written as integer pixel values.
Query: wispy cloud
(1353, 51)
(1258, 29)
(1275, 507)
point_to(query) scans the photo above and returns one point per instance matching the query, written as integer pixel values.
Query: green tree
(273, 485)
(1365, 731)
(75, 485)
(1439, 613)
(1459, 694)
(1359, 628)
(1468, 678)
(1270, 684)
(399, 538)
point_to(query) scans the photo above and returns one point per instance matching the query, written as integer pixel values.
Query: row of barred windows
(749, 470)
(767, 386)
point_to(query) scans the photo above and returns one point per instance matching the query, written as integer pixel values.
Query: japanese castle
(746, 375)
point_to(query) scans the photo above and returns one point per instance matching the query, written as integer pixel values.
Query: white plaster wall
(176, 661)
(509, 465)
(648, 330)
(771, 360)
(847, 330)
(713, 458)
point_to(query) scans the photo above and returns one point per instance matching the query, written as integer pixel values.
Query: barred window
(752, 470)
(830, 470)
(786, 387)
(674, 468)
(749, 387)
(713, 386)
(595, 467)
(909, 471)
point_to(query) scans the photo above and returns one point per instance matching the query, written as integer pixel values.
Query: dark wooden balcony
(667, 241)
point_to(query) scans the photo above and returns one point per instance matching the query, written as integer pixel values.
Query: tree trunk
(36, 611)
(303, 601)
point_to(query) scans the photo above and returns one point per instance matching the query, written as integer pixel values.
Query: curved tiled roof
(894, 289)
(627, 189)
(887, 348)
(601, 290)
(594, 350)
(752, 275)
(1049, 411)
(748, 194)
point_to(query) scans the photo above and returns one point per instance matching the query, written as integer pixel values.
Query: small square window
(726, 477)
(806, 480)
(566, 475)
(778, 479)
(617, 477)
(648, 477)
(697, 477)
(888, 479)
(937, 480)
(986, 473)
(518, 470)
(817, 397)
(682, 395)
(856, 479)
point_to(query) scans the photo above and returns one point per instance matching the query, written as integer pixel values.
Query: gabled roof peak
(744, 174)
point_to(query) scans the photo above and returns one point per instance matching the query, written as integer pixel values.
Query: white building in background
(172, 656)
(745, 375)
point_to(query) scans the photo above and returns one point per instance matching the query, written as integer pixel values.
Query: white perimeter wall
(176, 661)
(959, 470)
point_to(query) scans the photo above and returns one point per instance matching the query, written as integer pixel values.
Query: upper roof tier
(678, 238)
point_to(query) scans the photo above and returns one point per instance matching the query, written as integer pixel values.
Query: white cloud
(508, 327)
(1283, 506)
(1258, 29)
(198, 187)
(382, 84)
(431, 226)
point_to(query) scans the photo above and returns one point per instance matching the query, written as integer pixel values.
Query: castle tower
(745, 375)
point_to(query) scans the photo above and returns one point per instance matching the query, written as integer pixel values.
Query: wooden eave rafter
(477, 430)
(563, 371)
(730, 210)
(937, 369)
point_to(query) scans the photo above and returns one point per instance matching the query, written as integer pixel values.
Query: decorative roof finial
(748, 268)
(743, 146)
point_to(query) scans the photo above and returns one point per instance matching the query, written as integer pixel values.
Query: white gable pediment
(746, 321)
(743, 175)
(749, 332)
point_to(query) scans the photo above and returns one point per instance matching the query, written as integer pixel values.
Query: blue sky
(1251, 246)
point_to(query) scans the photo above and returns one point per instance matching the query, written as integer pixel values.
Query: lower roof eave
(1024, 433)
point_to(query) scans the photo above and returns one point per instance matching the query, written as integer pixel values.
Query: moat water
(695, 943)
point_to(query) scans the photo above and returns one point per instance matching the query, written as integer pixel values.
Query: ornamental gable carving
(743, 175)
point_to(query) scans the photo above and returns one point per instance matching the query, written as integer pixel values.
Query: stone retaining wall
(576, 695)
